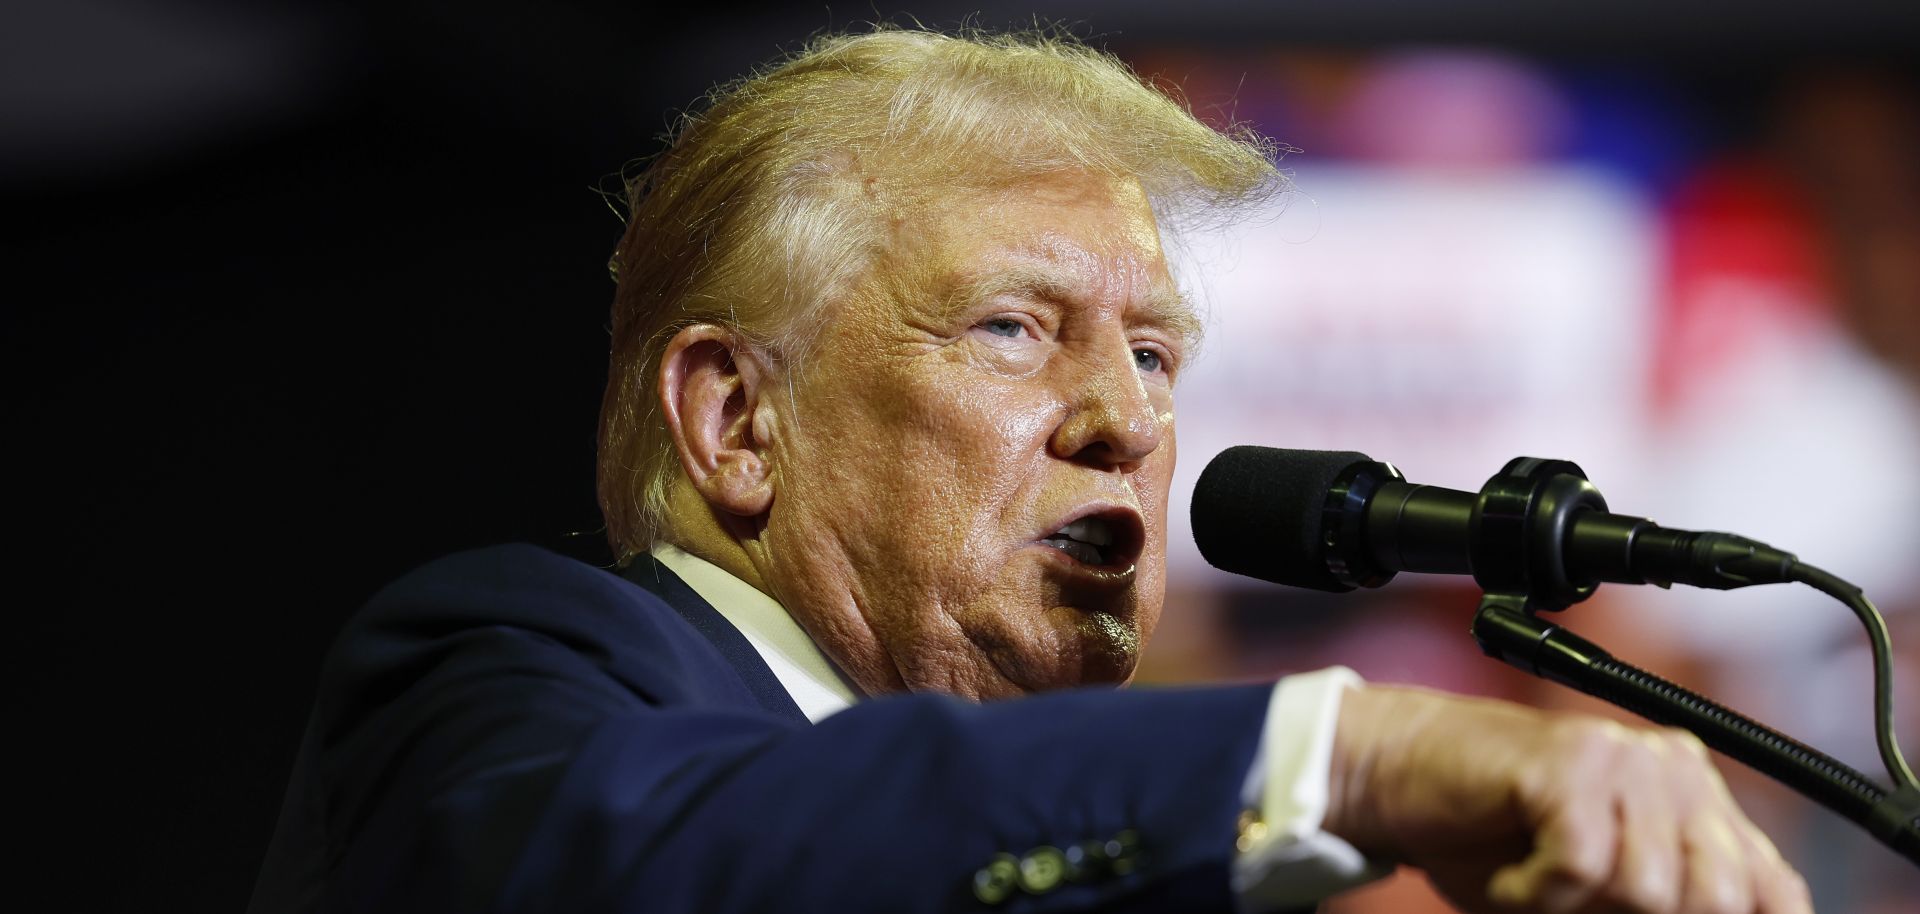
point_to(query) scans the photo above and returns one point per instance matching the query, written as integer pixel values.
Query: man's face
(972, 473)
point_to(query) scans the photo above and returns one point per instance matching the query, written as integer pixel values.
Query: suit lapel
(660, 581)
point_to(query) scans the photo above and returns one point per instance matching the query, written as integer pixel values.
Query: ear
(710, 386)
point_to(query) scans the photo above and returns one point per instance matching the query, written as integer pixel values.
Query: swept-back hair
(769, 205)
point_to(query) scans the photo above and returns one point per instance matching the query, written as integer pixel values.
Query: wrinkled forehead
(1070, 238)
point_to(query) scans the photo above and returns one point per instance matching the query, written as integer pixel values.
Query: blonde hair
(767, 206)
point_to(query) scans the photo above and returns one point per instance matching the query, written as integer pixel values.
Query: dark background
(301, 295)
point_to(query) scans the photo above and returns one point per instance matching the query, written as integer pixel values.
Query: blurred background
(303, 294)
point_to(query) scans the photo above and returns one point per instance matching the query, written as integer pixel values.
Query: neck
(697, 530)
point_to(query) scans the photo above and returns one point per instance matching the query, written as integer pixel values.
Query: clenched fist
(1508, 808)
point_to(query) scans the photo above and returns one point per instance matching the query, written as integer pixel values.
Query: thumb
(1573, 853)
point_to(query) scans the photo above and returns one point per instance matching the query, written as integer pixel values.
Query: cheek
(984, 429)
(1022, 418)
(1155, 480)
(943, 445)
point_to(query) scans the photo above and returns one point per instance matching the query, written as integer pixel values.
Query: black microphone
(1336, 520)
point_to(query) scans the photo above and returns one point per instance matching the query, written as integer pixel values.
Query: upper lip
(1128, 527)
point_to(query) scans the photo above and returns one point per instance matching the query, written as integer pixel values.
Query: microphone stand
(1522, 525)
(1508, 629)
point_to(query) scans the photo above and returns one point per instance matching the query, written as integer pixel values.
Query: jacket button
(1042, 869)
(995, 881)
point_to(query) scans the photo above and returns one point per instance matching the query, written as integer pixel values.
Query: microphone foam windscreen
(1257, 512)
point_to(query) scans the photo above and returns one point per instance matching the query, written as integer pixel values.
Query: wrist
(1376, 726)
(1351, 764)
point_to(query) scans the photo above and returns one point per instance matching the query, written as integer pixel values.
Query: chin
(1036, 631)
(1072, 647)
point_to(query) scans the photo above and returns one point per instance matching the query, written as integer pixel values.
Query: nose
(1111, 421)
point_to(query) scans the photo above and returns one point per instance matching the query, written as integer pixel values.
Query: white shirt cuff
(1293, 863)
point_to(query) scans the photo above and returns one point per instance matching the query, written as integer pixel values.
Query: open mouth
(1109, 539)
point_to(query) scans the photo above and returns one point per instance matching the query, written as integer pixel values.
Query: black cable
(1839, 589)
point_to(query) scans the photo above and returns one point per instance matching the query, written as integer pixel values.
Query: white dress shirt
(1286, 861)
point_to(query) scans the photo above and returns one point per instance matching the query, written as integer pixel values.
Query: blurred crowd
(1705, 292)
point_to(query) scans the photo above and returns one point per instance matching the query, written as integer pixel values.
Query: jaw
(1048, 635)
(955, 605)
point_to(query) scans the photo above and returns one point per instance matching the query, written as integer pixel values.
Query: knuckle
(1581, 865)
(1648, 755)
(1593, 740)
(1685, 743)
(1724, 899)
(1647, 890)
(1698, 773)
(1725, 894)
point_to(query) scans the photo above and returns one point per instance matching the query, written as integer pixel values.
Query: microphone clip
(1522, 527)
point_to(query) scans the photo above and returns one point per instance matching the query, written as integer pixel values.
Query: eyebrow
(1160, 306)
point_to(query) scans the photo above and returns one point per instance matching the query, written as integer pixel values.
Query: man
(890, 413)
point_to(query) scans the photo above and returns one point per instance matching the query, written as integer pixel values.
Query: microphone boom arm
(1527, 540)
(1508, 629)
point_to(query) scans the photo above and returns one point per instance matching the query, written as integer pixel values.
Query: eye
(1147, 360)
(1003, 326)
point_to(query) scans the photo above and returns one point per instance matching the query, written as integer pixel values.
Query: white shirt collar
(815, 684)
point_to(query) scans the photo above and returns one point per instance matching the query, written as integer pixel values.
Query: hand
(1508, 808)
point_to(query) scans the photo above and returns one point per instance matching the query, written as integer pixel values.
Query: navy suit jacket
(511, 730)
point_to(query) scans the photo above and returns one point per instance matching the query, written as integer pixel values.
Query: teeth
(1085, 552)
(1089, 530)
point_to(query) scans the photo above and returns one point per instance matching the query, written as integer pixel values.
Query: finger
(1647, 875)
(1777, 888)
(1790, 894)
(1573, 854)
(1719, 880)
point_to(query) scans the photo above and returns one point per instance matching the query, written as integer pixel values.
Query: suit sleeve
(516, 765)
